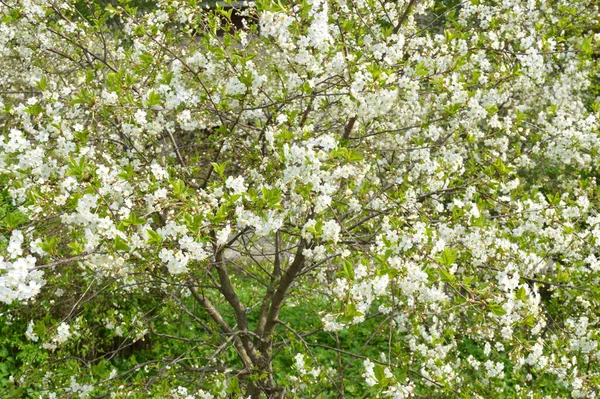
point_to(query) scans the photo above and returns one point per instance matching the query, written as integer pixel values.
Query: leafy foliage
(320, 199)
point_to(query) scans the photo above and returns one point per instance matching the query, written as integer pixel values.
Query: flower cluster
(215, 197)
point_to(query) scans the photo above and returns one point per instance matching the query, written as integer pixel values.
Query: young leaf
(153, 237)
(447, 257)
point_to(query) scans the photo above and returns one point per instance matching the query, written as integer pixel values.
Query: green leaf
(421, 70)
(231, 199)
(34, 109)
(178, 188)
(501, 167)
(379, 371)
(483, 286)
(76, 248)
(446, 276)
(492, 109)
(354, 156)
(153, 237)
(233, 385)
(89, 75)
(452, 108)
(153, 99)
(586, 45)
(221, 214)
(76, 168)
(447, 257)
(319, 227)
(497, 310)
(554, 199)
(350, 313)
(272, 197)
(306, 88)
(83, 97)
(468, 280)
(165, 78)
(15, 219)
(219, 168)
(42, 84)
(522, 294)
(127, 173)
(530, 320)
(120, 244)
(49, 244)
(134, 220)
(192, 222)
(478, 221)
(348, 270)
(146, 59)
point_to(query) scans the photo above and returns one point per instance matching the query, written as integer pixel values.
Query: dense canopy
(314, 199)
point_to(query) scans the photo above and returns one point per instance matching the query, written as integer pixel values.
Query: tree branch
(284, 284)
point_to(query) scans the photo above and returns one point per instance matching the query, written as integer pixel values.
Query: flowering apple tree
(322, 199)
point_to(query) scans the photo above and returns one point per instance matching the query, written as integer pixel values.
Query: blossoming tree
(333, 199)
